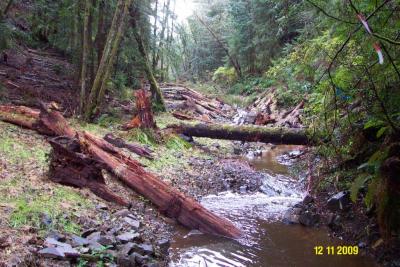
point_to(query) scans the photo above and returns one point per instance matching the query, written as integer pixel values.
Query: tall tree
(110, 49)
(85, 54)
(156, 93)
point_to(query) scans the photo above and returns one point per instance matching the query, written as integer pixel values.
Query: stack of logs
(267, 112)
(188, 104)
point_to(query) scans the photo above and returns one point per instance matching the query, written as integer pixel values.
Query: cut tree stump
(144, 117)
(169, 201)
(247, 133)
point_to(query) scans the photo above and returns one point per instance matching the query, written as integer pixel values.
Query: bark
(135, 148)
(7, 8)
(69, 166)
(101, 33)
(170, 202)
(106, 59)
(85, 53)
(245, 133)
(156, 93)
(154, 64)
(144, 117)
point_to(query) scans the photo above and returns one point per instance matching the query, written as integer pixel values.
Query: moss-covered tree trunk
(289, 136)
(157, 97)
(110, 48)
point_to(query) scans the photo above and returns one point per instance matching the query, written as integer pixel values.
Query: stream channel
(267, 240)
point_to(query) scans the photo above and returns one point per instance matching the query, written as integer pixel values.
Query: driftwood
(135, 148)
(170, 202)
(248, 133)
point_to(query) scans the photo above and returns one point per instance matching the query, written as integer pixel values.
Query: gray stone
(106, 240)
(243, 189)
(127, 237)
(237, 151)
(250, 117)
(339, 202)
(308, 218)
(94, 237)
(125, 261)
(95, 246)
(164, 245)
(126, 249)
(132, 222)
(88, 232)
(290, 218)
(77, 241)
(122, 213)
(143, 249)
(54, 253)
(69, 252)
(139, 259)
(102, 206)
(308, 199)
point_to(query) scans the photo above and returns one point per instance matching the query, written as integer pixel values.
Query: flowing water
(267, 241)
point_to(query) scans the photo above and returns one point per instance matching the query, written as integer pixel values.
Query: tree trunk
(245, 133)
(101, 33)
(7, 8)
(156, 93)
(135, 148)
(144, 117)
(114, 35)
(162, 35)
(85, 52)
(170, 202)
(155, 37)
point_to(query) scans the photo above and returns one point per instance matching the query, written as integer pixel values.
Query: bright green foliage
(225, 76)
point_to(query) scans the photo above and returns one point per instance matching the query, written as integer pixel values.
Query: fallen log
(68, 166)
(247, 133)
(170, 202)
(135, 148)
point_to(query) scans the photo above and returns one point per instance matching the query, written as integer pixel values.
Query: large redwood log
(248, 133)
(170, 202)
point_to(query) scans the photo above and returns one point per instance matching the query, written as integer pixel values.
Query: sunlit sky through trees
(184, 8)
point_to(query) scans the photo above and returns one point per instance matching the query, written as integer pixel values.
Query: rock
(339, 202)
(45, 219)
(78, 241)
(188, 139)
(250, 117)
(88, 232)
(216, 145)
(122, 213)
(94, 237)
(308, 199)
(59, 252)
(106, 240)
(127, 237)
(243, 189)
(237, 151)
(164, 245)
(290, 217)
(95, 246)
(53, 253)
(57, 236)
(126, 249)
(125, 261)
(308, 218)
(139, 259)
(143, 249)
(132, 222)
(101, 206)
(114, 230)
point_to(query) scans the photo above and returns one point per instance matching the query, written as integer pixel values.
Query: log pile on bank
(79, 157)
(188, 104)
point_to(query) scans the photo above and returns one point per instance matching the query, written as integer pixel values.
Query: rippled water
(266, 242)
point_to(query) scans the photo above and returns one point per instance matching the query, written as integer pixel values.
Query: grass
(29, 199)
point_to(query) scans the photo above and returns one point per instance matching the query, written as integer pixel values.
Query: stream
(266, 241)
